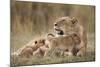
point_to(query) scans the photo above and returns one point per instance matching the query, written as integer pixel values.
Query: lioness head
(65, 24)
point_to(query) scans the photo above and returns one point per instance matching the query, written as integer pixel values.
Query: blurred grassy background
(30, 20)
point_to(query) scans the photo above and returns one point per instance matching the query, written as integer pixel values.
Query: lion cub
(28, 50)
(68, 44)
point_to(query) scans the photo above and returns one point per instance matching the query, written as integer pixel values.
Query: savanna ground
(32, 20)
(90, 55)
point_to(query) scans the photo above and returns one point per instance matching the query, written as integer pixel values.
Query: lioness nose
(55, 24)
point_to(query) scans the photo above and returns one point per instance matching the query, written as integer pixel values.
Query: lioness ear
(35, 42)
(74, 20)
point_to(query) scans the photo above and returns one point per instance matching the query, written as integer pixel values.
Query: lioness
(69, 26)
(68, 44)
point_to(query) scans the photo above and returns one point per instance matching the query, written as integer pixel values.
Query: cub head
(39, 42)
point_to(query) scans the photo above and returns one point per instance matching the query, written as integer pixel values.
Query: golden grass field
(90, 56)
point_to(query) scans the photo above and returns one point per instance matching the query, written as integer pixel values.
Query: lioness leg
(82, 49)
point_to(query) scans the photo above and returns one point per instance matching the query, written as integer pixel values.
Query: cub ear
(35, 42)
(74, 20)
(50, 34)
(43, 41)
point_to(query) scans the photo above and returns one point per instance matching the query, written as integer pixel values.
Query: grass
(17, 61)
(50, 60)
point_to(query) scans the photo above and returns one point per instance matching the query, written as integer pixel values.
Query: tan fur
(27, 50)
(40, 52)
(68, 43)
(71, 25)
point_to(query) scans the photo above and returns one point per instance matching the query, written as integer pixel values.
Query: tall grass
(90, 56)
